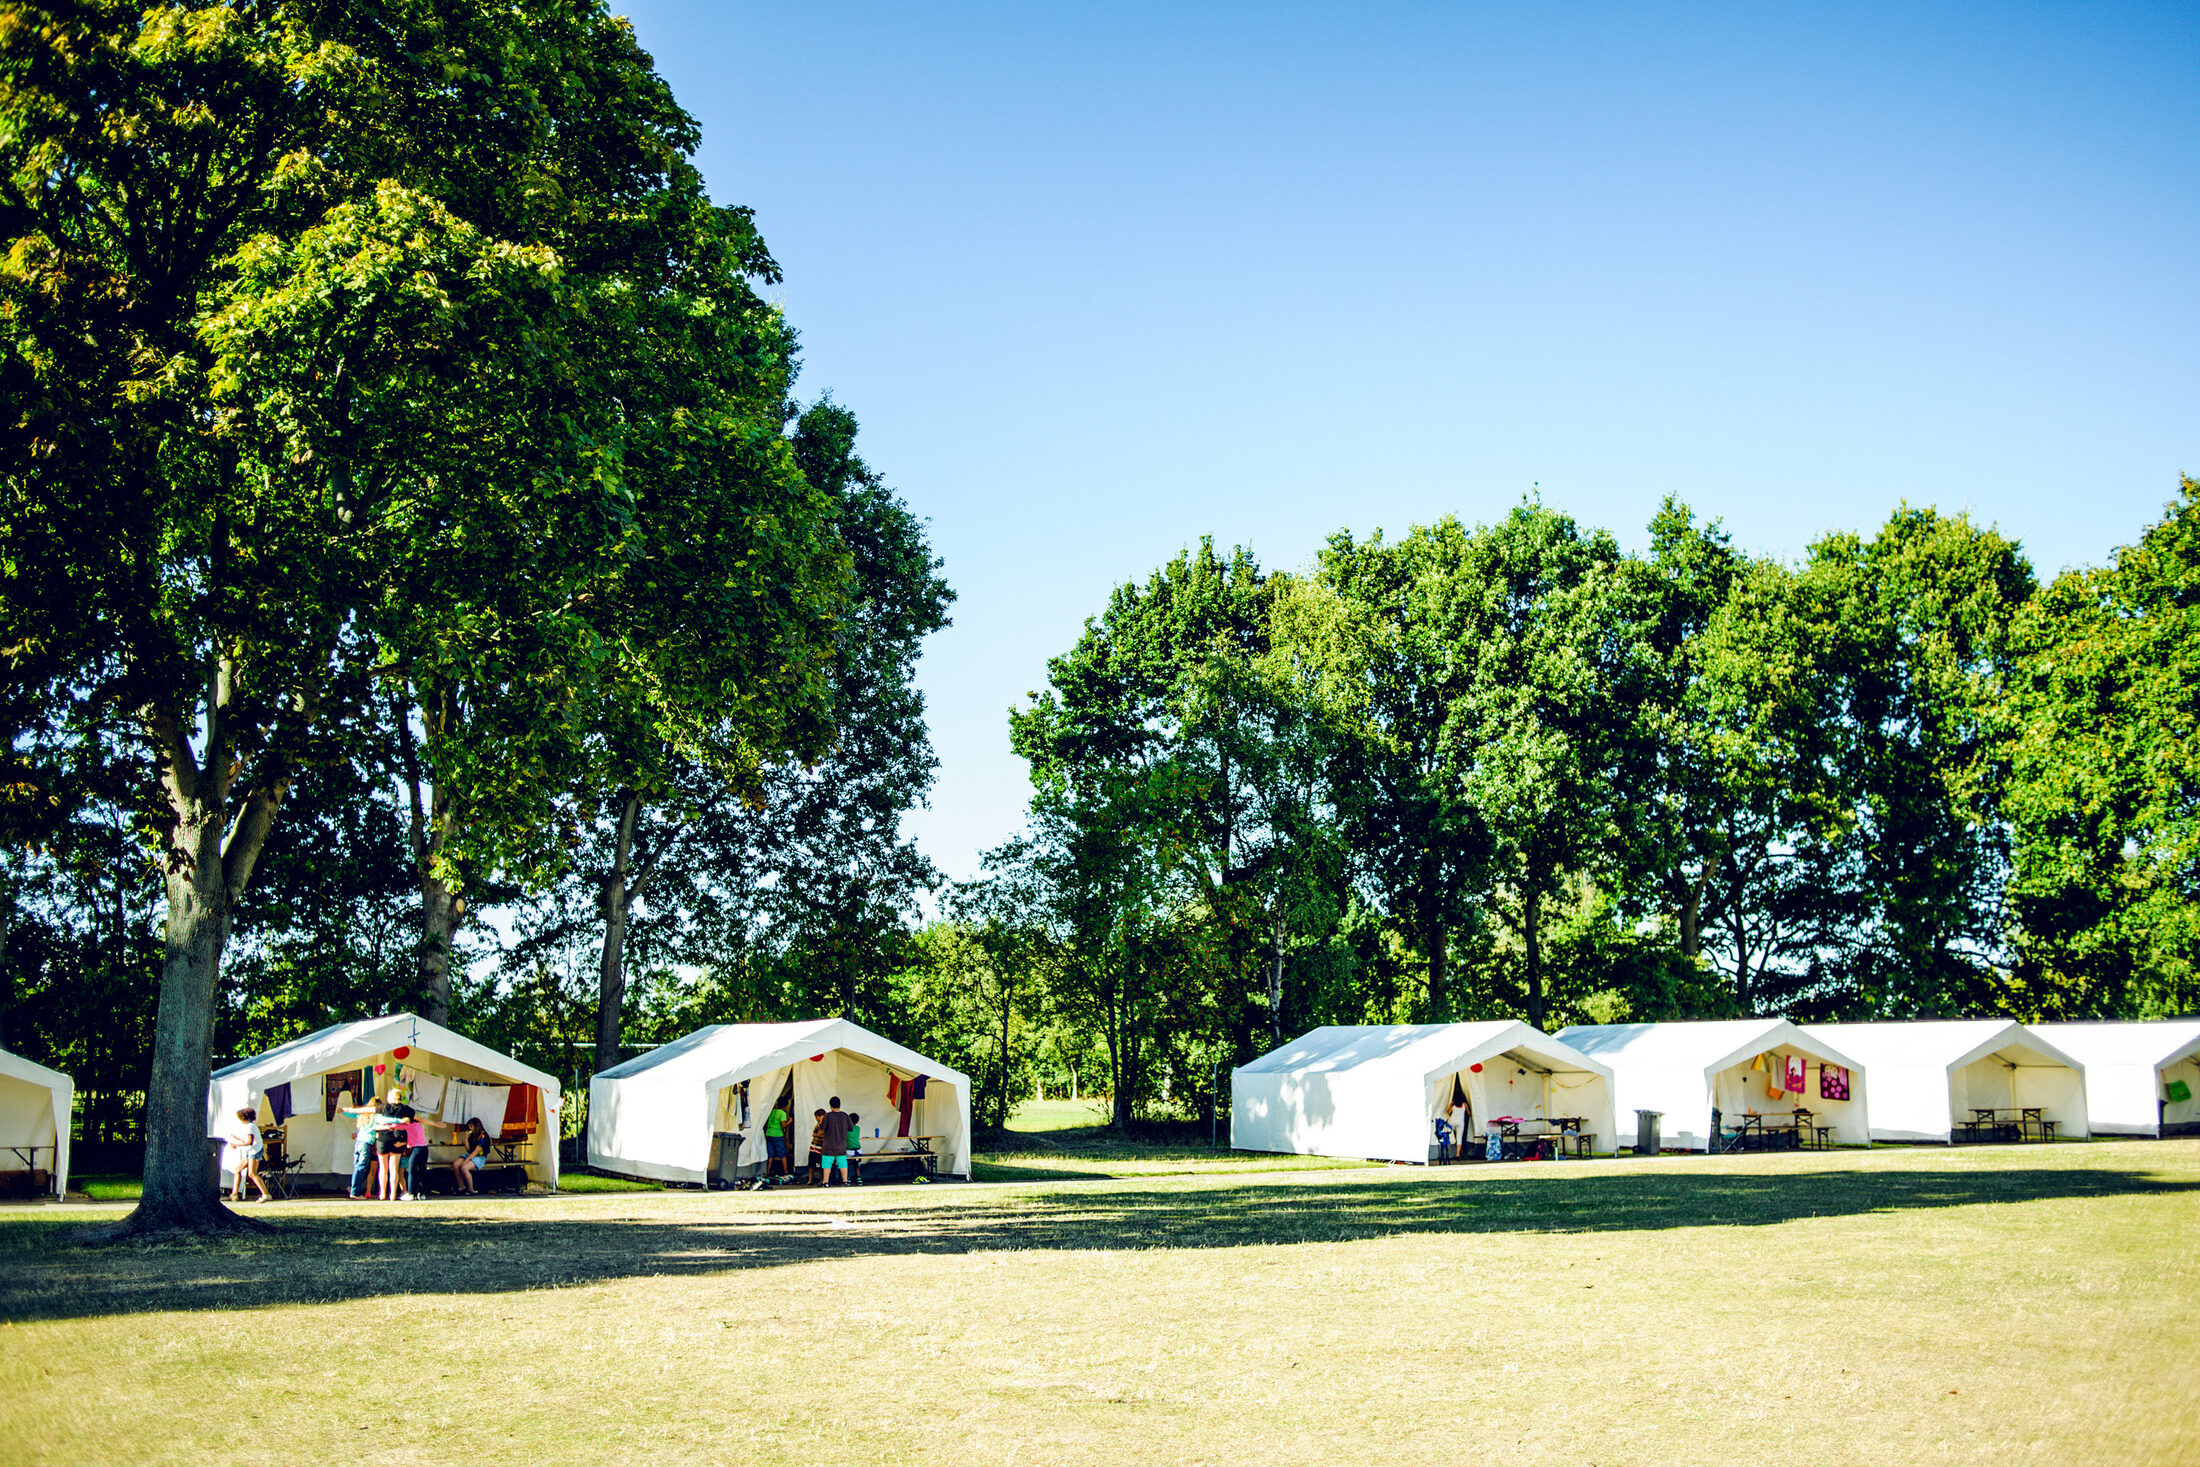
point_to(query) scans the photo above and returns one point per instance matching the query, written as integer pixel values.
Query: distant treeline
(1514, 771)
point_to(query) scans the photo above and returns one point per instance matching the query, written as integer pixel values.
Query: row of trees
(407, 511)
(1511, 770)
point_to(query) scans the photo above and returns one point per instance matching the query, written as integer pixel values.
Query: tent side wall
(1323, 1113)
(1911, 1102)
(654, 1129)
(2123, 1099)
(1681, 1093)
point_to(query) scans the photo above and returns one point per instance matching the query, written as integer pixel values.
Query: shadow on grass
(335, 1258)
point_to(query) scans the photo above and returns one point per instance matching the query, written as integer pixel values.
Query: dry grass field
(1897, 1306)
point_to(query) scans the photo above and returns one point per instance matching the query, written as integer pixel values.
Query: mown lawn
(1893, 1306)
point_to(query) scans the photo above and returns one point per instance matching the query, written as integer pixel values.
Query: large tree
(1372, 663)
(801, 854)
(1538, 628)
(302, 305)
(1914, 632)
(2105, 791)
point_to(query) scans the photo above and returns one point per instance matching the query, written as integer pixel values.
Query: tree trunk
(1275, 982)
(1437, 941)
(1692, 921)
(205, 876)
(1532, 931)
(1119, 1045)
(7, 975)
(432, 829)
(1741, 965)
(439, 913)
(1006, 1015)
(616, 897)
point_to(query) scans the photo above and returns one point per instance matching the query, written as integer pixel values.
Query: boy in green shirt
(777, 1158)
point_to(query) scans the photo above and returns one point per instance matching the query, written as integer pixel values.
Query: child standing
(362, 1145)
(246, 1147)
(855, 1148)
(389, 1142)
(817, 1148)
(416, 1158)
(777, 1162)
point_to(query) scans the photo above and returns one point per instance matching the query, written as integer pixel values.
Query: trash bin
(1646, 1131)
(214, 1148)
(725, 1159)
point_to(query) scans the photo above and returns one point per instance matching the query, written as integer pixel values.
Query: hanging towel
(278, 1103)
(893, 1088)
(908, 1103)
(426, 1091)
(469, 1100)
(1833, 1083)
(519, 1109)
(1797, 1080)
(916, 1087)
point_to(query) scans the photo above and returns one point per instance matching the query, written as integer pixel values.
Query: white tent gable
(1365, 1090)
(1948, 1043)
(346, 1046)
(1928, 1074)
(654, 1115)
(1703, 1044)
(719, 1055)
(2129, 1067)
(36, 1109)
(1685, 1069)
(342, 1044)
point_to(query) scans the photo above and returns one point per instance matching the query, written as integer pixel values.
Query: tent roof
(15, 1067)
(1428, 1048)
(1947, 1043)
(720, 1054)
(333, 1047)
(2154, 1042)
(1705, 1044)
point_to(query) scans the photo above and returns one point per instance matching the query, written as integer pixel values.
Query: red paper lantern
(402, 1051)
(1476, 1068)
(815, 1058)
(381, 1069)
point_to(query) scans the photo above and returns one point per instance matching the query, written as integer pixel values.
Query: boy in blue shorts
(833, 1133)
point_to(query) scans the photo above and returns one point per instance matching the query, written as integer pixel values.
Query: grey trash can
(1646, 1131)
(725, 1158)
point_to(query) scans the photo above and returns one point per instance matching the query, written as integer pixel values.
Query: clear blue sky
(1101, 279)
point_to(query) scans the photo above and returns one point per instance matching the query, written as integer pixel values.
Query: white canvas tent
(2131, 1069)
(1376, 1090)
(324, 1139)
(654, 1115)
(36, 1105)
(1687, 1069)
(1929, 1075)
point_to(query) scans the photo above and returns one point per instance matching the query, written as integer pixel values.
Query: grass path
(1896, 1306)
